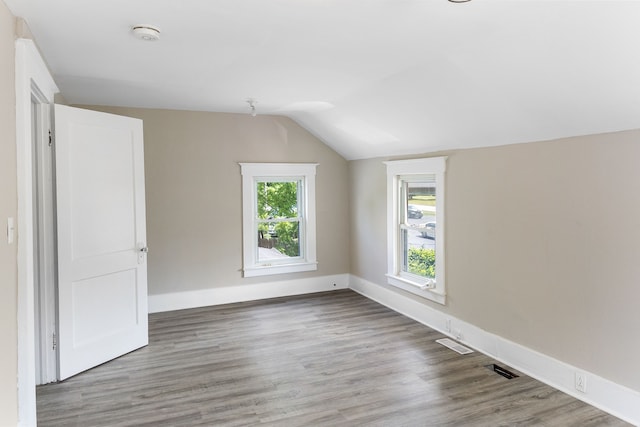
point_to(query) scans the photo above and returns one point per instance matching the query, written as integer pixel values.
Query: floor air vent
(502, 371)
(458, 348)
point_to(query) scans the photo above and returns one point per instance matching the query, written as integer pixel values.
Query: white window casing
(273, 172)
(408, 170)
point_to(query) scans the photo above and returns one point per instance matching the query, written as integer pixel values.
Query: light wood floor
(331, 359)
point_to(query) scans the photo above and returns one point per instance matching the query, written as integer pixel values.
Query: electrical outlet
(581, 382)
(457, 332)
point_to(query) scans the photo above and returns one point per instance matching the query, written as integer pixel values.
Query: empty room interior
(293, 213)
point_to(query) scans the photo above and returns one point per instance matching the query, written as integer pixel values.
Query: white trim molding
(603, 394)
(32, 75)
(240, 293)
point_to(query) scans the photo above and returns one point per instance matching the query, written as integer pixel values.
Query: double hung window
(415, 194)
(278, 218)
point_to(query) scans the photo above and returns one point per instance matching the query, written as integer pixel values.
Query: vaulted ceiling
(368, 77)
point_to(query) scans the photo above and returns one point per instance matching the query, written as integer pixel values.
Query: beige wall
(8, 208)
(193, 185)
(542, 241)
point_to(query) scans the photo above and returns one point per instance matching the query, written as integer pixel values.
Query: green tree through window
(277, 199)
(278, 216)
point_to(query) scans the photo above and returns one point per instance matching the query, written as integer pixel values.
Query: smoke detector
(146, 32)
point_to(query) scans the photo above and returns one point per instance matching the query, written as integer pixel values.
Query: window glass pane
(419, 204)
(278, 240)
(277, 199)
(418, 233)
(419, 199)
(417, 258)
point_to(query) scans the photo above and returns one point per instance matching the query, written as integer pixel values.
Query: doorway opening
(44, 240)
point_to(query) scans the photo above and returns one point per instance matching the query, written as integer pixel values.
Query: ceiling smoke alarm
(146, 32)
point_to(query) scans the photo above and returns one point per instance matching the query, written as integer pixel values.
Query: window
(279, 228)
(415, 202)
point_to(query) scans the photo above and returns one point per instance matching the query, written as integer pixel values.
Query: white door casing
(102, 271)
(32, 76)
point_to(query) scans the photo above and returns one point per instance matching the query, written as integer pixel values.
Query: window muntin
(278, 218)
(415, 204)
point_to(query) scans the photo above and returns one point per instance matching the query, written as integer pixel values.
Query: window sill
(268, 270)
(412, 287)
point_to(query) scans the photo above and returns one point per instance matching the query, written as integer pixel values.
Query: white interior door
(102, 270)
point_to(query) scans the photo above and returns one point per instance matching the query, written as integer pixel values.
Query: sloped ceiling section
(368, 77)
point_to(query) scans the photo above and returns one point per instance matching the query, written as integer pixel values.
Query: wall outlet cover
(581, 382)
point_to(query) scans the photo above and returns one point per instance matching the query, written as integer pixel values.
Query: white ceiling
(368, 77)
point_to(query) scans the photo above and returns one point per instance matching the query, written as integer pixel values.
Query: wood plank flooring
(330, 359)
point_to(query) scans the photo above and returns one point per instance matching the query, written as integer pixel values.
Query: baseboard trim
(604, 394)
(240, 293)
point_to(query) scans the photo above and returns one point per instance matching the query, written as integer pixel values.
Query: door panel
(103, 165)
(102, 277)
(94, 299)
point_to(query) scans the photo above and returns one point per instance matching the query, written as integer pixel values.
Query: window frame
(399, 171)
(252, 173)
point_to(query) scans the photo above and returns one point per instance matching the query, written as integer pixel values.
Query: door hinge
(55, 341)
(50, 138)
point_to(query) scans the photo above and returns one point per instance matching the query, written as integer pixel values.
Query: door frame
(44, 240)
(32, 76)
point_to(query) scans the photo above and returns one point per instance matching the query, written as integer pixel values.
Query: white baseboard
(604, 394)
(241, 293)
